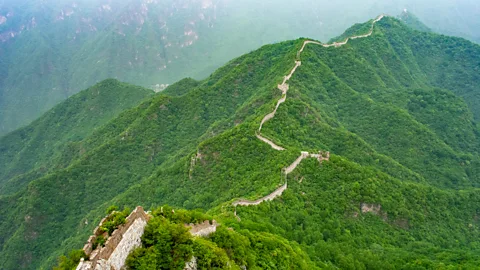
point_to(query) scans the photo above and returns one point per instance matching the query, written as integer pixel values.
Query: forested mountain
(396, 108)
(53, 140)
(50, 50)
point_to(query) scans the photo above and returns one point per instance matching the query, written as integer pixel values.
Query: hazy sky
(318, 18)
(313, 18)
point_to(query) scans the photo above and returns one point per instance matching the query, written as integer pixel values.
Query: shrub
(99, 241)
(71, 261)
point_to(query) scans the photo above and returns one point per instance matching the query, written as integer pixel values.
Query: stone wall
(88, 248)
(131, 239)
(117, 247)
(321, 156)
(125, 238)
(203, 229)
(278, 192)
(272, 144)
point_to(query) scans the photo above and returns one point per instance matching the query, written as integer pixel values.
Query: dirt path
(284, 87)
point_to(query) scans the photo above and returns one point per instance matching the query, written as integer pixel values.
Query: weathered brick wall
(123, 240)
(203, 229)
(130, 240)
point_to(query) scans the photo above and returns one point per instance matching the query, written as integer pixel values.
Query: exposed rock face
(191, 265)
(375, 209)
(193, 162)
(371, 208)
(122, 241)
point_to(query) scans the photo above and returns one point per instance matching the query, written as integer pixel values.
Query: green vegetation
(398, 111)
(181, 216)
(99, 241)
(114, 219)
(53, 140)
(417, 224)
(133, 146)
(61, 47)
(70, 262)
(167, 244)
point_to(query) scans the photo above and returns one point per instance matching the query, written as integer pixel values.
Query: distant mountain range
(50, 50)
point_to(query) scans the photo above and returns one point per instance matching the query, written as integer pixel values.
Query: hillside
(48, 143)
(50, 50)
(398, 188)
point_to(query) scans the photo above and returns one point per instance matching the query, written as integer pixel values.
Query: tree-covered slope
(39, 148)
(399, 189)
(369, 82)
(130, 147)
(167, 244)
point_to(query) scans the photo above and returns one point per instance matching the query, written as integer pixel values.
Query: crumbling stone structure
(203, 229)
(123, 240)
(126, 238)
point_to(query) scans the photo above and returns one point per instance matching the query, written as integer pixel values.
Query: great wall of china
(113, 254)
(284, 87)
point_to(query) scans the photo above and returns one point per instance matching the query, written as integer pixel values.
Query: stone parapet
(117, 247)
(203, 229)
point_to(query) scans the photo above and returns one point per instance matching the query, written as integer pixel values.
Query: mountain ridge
(54, 49)
(66, 123)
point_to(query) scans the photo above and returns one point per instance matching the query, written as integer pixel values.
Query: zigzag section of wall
(284, 87)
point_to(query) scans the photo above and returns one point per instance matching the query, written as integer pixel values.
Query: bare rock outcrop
(375, 209)
(191, 265)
